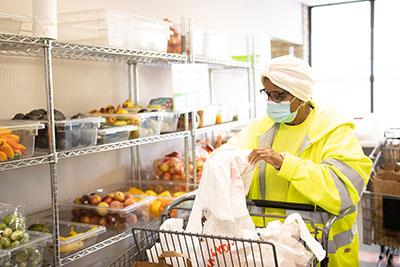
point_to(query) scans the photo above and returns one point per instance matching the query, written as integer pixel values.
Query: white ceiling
(320, 2)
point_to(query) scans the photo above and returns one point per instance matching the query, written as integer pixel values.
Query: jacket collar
(324, 122)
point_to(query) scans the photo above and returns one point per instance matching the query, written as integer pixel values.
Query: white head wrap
(291, 74)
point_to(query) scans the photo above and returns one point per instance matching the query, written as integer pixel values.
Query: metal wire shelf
(19, 45)
(21, 163)
(223, 126)
(119, 145)
(96, 247)
(221, 63)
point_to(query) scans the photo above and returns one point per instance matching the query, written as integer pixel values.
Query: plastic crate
(148, 123)
(28, 254)
(111, 217)
(25, 132)
(87, 236)
(11, 23)
(106, 27)
(70, 134)
(110, 134)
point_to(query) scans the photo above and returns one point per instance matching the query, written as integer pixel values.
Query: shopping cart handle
(284, 205)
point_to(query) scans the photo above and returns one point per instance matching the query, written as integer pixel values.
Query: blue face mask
(280, 112)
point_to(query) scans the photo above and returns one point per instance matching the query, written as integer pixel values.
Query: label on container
(190, 86)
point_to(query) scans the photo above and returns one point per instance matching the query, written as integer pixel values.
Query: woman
(306, 154)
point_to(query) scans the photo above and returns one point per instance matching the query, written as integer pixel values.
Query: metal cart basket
(211, 250)
(381, 203)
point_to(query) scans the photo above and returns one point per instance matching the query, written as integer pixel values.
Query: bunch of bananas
(10, 148)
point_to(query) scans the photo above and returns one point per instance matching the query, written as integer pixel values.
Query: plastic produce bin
(11, 23)
(148, 123)
(73, 133)
(87, 235)
(4, 256)
(164, 193)
(112, 217)
(106, 27)
(110, 134)
(169, 122)
(20, 136)
(29, 254)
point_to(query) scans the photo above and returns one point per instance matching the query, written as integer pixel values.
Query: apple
(102, 221)
(116, 205)
(76, 212)
(110, 195)
(108, 199)
(85, 219)
(132, 218)
(166, 176)
(95, 199)
(129, 201)
(102, 208)
(77, 201)
(111, 219)
(94, 220)
(173, 162)
(164, 167)
(128, 196)
(176, 177)
(119, 196)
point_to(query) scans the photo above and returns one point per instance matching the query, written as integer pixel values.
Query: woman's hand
(268, 155)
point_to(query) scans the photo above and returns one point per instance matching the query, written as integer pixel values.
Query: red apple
(116, 205)
(103, 221)
(128, 196)
(107, 199)
(129, 201)
(166, 176)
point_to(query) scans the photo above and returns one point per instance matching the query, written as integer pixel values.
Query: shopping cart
(208, 248)
(381, 219)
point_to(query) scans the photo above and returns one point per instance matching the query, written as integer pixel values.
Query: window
(340, 41)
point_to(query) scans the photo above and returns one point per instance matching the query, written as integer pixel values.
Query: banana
(14, 137)
(15, 145)
(7, 149)
(3, 156)
(4, 131)
(71, 247)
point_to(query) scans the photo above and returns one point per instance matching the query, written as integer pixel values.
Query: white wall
(81, 86)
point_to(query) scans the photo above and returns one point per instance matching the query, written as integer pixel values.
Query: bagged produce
(12, 227)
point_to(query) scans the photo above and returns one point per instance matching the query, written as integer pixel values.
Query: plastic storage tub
(112, 217)
(164, 192)
(70, 134)
(169, 122)
(106, 27)
(28, 254)
(20, 137)
(110, 134)
(11, 23)
(148, 123)
(86, 235)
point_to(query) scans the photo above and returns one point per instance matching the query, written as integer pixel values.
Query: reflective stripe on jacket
(330, 170)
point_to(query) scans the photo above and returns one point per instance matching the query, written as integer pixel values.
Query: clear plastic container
(11, 23)
(28, 254)
(117, 216)
(110, 134)
(148, 123)
(169, 122)
(86, 235)
(225, 113)
(70, 134)
(20, 136)
(208, 115)
(106, 27)
(4, 256)
(164, 192)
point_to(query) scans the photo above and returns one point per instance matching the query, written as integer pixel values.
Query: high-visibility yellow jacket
(330, 170)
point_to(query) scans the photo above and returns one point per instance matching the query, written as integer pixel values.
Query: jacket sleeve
(337, 182)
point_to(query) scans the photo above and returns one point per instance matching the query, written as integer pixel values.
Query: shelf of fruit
(119, 145)
(222, 126)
